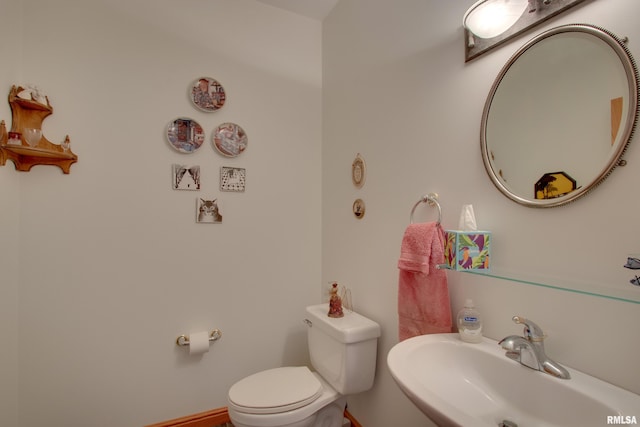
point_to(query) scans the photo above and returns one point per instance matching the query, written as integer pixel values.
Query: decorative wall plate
(207, 94)
(232, 179)
(358, 171)
(229, 139)
(185, 135)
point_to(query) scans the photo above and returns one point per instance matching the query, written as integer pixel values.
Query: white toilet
(343, 353)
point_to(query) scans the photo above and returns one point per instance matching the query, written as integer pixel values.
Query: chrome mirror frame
(629, 65)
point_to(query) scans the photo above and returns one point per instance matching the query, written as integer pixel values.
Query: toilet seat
(275, 390)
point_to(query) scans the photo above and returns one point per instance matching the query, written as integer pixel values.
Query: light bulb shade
(490, 18)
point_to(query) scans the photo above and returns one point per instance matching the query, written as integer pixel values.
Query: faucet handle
(531, 331)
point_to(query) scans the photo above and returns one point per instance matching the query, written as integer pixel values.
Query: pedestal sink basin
(460, 384)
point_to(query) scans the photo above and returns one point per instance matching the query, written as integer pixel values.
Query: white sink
(460, 384)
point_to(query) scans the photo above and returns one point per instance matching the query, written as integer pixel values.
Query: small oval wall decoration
(359, 208)
(358, 171)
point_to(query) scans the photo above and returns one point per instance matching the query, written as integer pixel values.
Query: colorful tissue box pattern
(467, 250)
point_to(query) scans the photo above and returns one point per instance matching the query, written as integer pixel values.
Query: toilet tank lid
(353, 327)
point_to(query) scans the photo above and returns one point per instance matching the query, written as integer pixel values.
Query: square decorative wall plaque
(208, 211)
(232, 179)
(186, 177)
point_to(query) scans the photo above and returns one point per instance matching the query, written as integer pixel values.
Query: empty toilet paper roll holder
(183, 340)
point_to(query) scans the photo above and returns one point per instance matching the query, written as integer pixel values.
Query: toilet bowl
(288, 396)
(343, 352)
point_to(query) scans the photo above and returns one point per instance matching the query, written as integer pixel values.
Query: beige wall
(105, 267)
(396, 89)
(114, 266)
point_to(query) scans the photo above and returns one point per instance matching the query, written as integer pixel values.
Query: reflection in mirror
(560, 115)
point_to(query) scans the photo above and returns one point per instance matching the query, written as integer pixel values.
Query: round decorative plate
(207, 94)
(229, 139)
(185, 135)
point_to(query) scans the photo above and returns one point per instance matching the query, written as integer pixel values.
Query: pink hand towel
(423, 292)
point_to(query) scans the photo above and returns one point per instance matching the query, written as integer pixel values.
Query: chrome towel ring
(432, 200)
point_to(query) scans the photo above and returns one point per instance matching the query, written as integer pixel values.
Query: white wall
(397, 90)
(114, 267)
(10, 223)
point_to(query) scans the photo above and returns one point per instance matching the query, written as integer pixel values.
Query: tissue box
(467, 250)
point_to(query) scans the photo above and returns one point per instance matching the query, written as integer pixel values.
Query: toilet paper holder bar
(183, 340)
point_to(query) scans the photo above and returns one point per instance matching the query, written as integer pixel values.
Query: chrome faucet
(529, 350)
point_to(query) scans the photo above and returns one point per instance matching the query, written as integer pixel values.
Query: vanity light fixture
(490, 18)
(489, 23)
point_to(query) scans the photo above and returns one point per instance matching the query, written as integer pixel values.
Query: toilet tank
(343, 350)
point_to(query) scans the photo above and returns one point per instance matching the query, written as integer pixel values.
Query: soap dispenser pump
(470, 323)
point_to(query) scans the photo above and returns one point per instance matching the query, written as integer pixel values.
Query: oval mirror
(560, 115)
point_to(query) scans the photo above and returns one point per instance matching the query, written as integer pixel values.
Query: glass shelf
(631, 295)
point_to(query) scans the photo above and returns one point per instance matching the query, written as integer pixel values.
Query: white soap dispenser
(470, 323)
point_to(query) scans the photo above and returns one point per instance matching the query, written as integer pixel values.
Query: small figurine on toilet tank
(335, 303)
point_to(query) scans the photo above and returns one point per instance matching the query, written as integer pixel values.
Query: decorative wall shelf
(29, 113)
